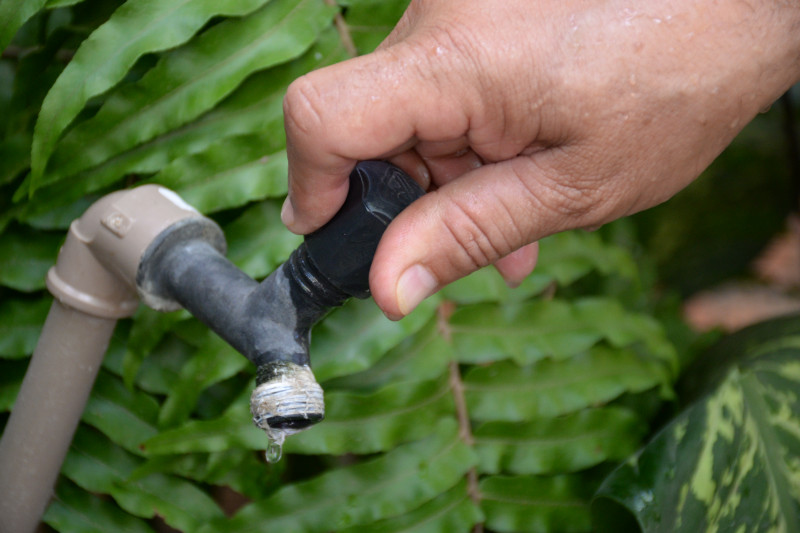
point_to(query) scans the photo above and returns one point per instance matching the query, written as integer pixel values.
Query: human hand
(529, 118)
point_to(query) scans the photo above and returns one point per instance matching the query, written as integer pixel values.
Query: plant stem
(344, 31)
(457, 386)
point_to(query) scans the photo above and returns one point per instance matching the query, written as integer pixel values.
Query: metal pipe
(47, 411)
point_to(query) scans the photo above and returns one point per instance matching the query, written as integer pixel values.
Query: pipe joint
(98, 266)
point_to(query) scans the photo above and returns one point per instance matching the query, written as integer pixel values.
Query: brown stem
(344, 31)
(462, 413)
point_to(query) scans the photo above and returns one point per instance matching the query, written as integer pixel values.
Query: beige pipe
(47, 411)
(94, 284)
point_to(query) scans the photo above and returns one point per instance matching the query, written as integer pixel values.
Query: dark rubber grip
(342, 249)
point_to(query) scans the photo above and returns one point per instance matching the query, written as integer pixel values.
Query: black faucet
(270, 322)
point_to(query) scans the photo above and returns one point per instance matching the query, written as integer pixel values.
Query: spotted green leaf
(729, 462)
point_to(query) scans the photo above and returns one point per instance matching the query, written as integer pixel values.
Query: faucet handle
(342, 249)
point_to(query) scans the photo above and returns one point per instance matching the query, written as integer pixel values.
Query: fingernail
(287, 212)
(415, 284)
(424, 174)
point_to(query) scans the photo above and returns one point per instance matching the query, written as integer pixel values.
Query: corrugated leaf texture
(486, 409)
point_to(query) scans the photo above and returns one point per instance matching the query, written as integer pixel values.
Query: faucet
(147, 244)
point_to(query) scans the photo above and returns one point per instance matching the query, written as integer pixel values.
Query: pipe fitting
(287, 398)
(98, 264)
(270, 323)
(147, 241)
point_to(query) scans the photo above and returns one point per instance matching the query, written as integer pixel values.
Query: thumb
(469, 223)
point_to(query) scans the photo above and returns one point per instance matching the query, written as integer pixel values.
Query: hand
(526, 118)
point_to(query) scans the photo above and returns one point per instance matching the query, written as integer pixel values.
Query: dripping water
(274, 451)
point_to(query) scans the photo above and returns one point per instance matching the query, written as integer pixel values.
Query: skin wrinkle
(467, 231)
(597, 108)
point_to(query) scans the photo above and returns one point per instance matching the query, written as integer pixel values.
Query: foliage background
(485, 409)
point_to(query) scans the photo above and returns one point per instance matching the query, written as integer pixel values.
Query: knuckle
(303, 106)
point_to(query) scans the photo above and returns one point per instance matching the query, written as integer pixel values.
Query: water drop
(274, 451)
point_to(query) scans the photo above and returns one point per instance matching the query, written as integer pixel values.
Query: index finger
(364, 108)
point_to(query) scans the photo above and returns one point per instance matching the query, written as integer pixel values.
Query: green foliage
(730, 460)
(487, 406)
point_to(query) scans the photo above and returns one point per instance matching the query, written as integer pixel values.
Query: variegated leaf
(730, 462)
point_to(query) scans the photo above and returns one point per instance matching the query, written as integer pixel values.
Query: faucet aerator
(287, 398)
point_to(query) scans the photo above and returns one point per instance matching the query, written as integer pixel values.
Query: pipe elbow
(98, 265)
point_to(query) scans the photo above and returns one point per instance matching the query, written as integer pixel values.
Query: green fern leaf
(251, 108)
(20, 324)
(395, 483)
(257, 240)
(127, 417)
(550, 328)
(27, 256)
(378, 421)
(138, 27)
(98, 466)
(558, 445)
(230, 173)
(422, 356)
(74, 509)
(190, 81)
(452, 511)
(355, 336)
(531, 503)
(13, 15)
(213, 362)
(506, 392)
